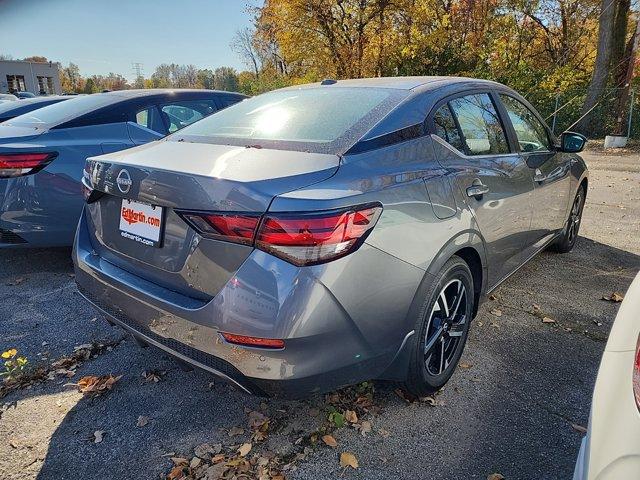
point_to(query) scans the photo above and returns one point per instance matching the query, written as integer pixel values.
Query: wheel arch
(468, 245)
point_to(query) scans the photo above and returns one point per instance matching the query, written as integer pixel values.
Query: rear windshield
(52, 115)
(27, 105)
(323, 119)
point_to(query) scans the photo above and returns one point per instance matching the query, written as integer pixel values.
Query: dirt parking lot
(516, 407)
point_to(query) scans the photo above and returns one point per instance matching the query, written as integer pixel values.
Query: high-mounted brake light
(301, 238)
(636, 374)
(18, 164)
(253, 341)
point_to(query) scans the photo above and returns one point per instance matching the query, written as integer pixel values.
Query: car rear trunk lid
(179, 176)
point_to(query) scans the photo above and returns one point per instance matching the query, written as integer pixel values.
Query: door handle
(477, 189)
(538, 176)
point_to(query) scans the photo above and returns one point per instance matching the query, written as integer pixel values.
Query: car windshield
(323, 119)
(52, 115)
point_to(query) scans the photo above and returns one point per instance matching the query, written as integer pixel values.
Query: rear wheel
(569, 235)
(442, 328)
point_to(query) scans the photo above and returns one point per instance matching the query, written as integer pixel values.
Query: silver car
(321, 235)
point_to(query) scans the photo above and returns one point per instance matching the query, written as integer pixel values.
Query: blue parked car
(42, 153)
(9, 110)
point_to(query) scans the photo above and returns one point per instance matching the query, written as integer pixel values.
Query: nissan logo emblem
(124, 181)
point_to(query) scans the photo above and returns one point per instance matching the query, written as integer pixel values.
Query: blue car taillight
(19, 164)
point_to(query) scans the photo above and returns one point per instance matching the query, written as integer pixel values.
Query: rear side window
(446, 127)
(480, 125)
(531, 134)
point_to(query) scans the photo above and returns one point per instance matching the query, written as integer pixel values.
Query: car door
(549, 170)
(491, 176)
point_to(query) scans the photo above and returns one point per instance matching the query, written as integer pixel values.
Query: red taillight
(306, 238)
(233, 227)
(636, 374)
(253, 341)
(18, 164)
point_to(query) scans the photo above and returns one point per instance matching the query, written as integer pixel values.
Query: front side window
(150, 118)
(480, 124)
(446, 127)
(532, 136)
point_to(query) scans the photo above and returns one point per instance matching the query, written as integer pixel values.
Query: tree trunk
(601, 68)
(618, 42)
(623, 98)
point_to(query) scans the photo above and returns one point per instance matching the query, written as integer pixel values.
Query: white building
(34, 77)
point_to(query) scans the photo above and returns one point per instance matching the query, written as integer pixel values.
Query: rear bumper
(325, 346)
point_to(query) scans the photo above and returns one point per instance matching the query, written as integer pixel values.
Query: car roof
(136, 93)
(415, 84)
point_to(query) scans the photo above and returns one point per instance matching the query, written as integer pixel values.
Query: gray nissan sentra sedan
(321, 235)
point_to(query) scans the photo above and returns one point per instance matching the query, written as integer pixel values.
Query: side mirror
(572, 142)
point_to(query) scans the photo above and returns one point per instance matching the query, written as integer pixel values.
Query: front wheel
(442, 328)
(569, 236)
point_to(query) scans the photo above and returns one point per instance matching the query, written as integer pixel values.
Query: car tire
(441, 329)
(569, 235)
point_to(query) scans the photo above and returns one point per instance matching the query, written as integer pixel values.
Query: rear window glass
(311, 119)
(24, 106)
(52, 115)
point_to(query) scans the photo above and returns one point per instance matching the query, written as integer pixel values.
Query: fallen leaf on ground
(330, 441)
(465, 365)
(92, 385)
(548, 320)
(153, 375)
(214, 472)
(206, 450)
(234, 431)
(406, 396)
(579, 428)
(496, 312)
(614, 297)
(348, 459)
(430, 400)
(97, 436)
(496, 476)
(351, 416)
(244, 449)
(179, 461)
(365, 428)
(384, 433)
(142, 421)
(16, 281)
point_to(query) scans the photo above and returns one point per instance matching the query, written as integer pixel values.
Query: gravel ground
(510, 411)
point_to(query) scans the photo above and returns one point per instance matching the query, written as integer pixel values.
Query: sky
(109, 35)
